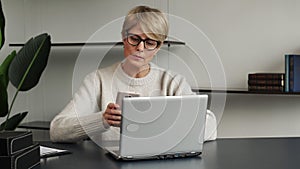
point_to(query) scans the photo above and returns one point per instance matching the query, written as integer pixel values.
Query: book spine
(264, 76)
(287, 69)
(291, 74)
(292, 70)
(296, 77)
(266, 88)
(262, 82)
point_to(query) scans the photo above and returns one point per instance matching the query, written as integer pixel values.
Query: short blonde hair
(152, 22)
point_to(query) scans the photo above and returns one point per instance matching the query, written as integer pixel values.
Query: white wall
(249, 36)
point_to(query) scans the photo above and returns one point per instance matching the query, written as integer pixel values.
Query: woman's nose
(140, 46)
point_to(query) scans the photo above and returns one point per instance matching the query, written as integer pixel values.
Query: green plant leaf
(2, 26)
(13, 122)
(5, 66)
(30, 62)
(3, 97)
(4, 83)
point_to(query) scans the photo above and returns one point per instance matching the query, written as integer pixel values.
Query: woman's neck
(134, 71)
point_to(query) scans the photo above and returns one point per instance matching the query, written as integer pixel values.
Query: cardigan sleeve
(81, 117)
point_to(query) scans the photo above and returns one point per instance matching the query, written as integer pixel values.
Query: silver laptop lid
(162, 125)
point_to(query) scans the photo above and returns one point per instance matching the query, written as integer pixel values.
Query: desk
(40, 129)
(40, 125)
(253, 153)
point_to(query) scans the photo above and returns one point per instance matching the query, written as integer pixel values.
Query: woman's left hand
(112, 115)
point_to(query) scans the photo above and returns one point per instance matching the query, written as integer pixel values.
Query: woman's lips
(137, 57)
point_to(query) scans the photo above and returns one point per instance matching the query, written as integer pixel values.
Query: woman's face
(138, 55)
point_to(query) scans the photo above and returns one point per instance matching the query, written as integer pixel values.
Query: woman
(93, 110)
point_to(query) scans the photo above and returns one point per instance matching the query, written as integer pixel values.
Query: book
(287, 77)
(266, 82)
(292, 68)
(266, 88)
(266, 76)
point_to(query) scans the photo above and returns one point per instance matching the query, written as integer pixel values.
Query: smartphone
(121, 95)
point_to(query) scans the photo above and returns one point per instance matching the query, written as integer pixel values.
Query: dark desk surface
(39, 125)
(254, 153)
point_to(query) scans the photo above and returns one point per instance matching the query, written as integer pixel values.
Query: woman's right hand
(112, 115)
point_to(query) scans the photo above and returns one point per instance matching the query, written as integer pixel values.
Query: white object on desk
(50, 152)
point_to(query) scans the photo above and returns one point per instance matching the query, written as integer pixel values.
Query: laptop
(161, 127)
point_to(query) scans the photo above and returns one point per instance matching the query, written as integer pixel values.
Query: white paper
(45, 151)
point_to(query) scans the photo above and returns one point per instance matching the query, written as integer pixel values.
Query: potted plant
(23, 69)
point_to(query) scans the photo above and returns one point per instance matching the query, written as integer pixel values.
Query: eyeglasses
(135, 40)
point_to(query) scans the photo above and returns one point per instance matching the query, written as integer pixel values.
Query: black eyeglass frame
(142, 40)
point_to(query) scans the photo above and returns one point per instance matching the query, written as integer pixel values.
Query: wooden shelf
(243, 91)
(74, 44)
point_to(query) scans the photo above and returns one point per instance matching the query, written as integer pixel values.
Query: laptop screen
(162, 125)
